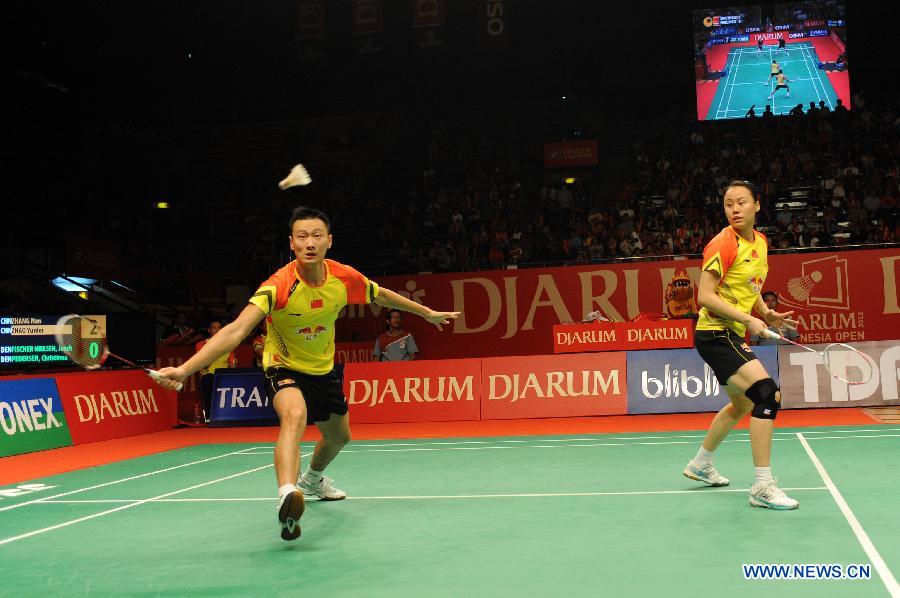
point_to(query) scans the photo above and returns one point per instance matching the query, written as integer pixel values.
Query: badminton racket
(843, 362)
(83, 340)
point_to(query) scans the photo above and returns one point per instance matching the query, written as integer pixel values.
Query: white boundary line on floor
(126, 506)
(119, 481)
(700, 490)
(886, 576)
(574, 443)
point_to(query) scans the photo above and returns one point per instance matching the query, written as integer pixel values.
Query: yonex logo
(285, 381)
(290, 524)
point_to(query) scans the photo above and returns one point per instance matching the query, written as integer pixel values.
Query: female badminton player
(734, 269)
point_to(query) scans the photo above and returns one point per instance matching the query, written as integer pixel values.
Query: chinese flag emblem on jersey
(315, 304)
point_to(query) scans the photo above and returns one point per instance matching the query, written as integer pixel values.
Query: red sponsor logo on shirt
(311, 333)
(316, 304)
(756, 283)
(754, 254)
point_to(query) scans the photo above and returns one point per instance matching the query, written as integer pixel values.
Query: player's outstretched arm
(223, 342)
(388, 298)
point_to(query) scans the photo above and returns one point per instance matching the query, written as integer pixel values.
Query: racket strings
(85, 349)
(847, 364)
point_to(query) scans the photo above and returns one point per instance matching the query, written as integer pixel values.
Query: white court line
(856, 436)
(128, 479)
(598, 436)
(127, 506)
(733, 77)
(451, 496)
(886, 576)
(821, 82)
(815, 87)
(576, 443)
(730, 58)
(749, 50)
(757, 83)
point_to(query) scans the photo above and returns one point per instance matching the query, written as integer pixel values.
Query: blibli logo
(675, 383)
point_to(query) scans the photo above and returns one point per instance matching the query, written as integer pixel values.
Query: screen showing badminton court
(776, 58)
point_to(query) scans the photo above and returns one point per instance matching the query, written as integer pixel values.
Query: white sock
(285, 490)
(313, 476)
(704, 457)
(763, 474)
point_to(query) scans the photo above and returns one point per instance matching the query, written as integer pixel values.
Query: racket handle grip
(156, 376)
(772, 334)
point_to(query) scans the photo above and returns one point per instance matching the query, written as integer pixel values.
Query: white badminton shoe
(770, 496)
(290, 509)
(323, 489)
(705, 473)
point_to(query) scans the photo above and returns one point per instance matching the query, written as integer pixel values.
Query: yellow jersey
(775, 68)
(300, 317)
(228, 360)
(741, 267)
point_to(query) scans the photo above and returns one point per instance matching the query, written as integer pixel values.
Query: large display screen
(775, 58)
(28, 342)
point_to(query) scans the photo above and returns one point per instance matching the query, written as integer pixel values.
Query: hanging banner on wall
(806, 383)
(837, 297)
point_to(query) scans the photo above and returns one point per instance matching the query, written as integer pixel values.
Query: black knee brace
(765, 397)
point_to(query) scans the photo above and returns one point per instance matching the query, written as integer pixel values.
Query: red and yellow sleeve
(719, 254)
(360, 290)
(273, 293)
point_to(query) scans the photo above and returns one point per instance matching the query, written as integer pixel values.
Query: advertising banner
(679, 381)
(354, 352)
(623, 336)
(31, 417)
(494, 24)
(88, 257)
(368, 26)
(105, 405)
(413, 391)
(836, 296)
(172, 356)
(429, 17)
(554, 386)
(311, 29)
(571, 153)
(806, 383)
(239, 396)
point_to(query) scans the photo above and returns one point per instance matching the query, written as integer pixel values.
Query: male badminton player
(300, 303)
(735, 265)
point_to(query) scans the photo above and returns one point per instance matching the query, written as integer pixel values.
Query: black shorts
(777, 87)
(723, 350)
(324, 395)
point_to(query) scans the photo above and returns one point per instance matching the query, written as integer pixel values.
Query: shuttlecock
(800, 286)
(297, 177)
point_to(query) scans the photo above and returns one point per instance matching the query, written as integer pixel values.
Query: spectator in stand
(227, 360)
(259, 345)
(180, 333)
(771, 300)
(395, 344)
